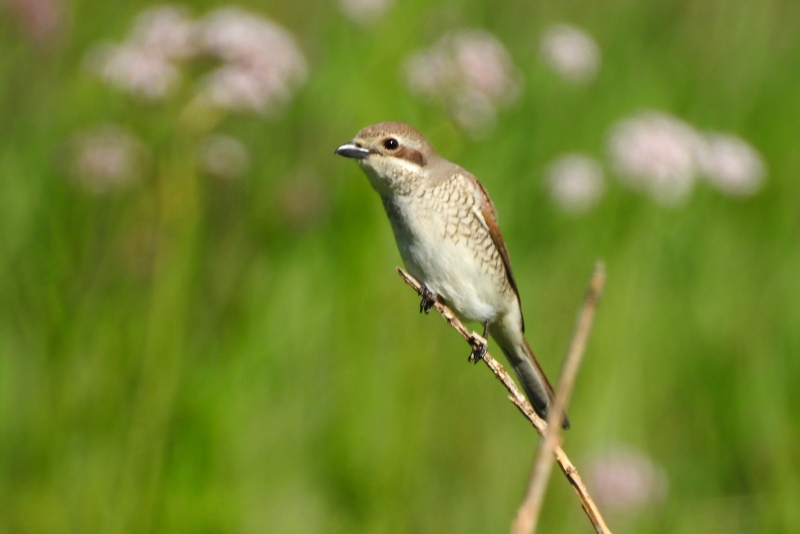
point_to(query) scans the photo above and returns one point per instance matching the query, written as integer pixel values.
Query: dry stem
(519, 400)
(528, 513)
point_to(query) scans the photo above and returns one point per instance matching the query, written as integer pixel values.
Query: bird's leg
(479, 348)
(428, 300)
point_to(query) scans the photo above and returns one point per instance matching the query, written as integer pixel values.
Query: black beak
(350, 150)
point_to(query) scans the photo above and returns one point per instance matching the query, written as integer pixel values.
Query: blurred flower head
(106, 158)
(133, 69)
(731, 165)
(575, 182)
(223, 156)
(625, 481)
(470, 72)
(167, 32)
(663, 156)
(143, 65)
(39, 20)
(262, 63)
(570, 52)
(364, 12)
(655, 152)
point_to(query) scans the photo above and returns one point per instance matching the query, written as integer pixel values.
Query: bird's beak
(350, 150)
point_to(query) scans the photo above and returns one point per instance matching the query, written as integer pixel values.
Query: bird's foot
(479, 348)
(479, 344)
(428, 300)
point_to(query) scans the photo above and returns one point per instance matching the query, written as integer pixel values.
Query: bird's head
(394, 156)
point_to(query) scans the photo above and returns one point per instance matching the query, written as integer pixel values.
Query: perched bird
(446, 230)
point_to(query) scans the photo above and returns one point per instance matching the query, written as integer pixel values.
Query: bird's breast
(444, 243)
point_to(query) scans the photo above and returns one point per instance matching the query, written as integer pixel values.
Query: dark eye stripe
(412, 155)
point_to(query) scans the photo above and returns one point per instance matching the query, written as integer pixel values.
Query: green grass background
(264, 373)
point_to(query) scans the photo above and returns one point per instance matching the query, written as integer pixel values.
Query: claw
(428, 300)
(478, 350)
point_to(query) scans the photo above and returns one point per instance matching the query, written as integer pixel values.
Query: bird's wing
(490, 217)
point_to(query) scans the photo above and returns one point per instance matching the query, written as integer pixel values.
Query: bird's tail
(530, 374)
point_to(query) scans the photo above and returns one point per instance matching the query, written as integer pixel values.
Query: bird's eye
(391, 143)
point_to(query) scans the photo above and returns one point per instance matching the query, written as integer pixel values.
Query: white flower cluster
(364, 12)
(663, 156)
(625, 480)
(261, 63)
(730, 164)
(144, 64)
(223, 156)
(106, 158)
(575, 182)
(655, 152)
(651, 152)
(470, 72)
(571, 53)
(39, 20)
(165, 33)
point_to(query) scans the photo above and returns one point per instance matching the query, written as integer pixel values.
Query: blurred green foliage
(196, 355)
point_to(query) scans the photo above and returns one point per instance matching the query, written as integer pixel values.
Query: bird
(446, 230)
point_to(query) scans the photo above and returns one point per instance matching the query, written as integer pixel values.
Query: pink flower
(731, 165)
(625, 481)
(570, 52)
(167, 32)
(575, 182)
(364, 12)
(134, 69)
(106, 158)
(262, 63)
(143, 65)
(223, 156)
(655, 152)
(39, 20)
(663, 156)
(470, 72)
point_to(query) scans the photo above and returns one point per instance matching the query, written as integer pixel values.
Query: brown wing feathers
(490, 216)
